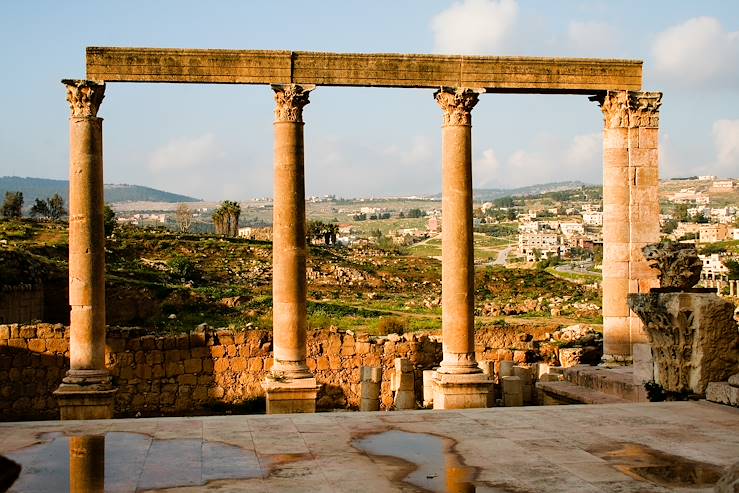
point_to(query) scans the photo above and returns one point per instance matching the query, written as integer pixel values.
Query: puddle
(118, 461)
(427, 461)
(647, 464)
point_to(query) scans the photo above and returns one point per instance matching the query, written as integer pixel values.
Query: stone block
(512, 391)
(461, 391)
(193, 365)
(292, 396)
(4, 332)
(643, 363)
(238, 364)
(648, 138)
(722, 393)
(505, 368)
(37, 345)
(429, 387)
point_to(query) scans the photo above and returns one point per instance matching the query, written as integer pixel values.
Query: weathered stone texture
(501, 74)
(694, 338)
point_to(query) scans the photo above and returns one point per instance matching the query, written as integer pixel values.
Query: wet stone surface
(624, 448)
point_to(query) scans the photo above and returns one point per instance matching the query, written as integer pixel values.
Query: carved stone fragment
(694, 338)
(678, 264)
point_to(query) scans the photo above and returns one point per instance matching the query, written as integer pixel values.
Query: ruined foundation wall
(213, 369)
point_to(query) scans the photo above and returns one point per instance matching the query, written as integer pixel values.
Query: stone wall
(216, 369)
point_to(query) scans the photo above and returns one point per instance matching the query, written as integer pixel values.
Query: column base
(84, 402)
(290, 395)
(461, 391)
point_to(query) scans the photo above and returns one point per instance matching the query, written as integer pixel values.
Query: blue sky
(215, 142)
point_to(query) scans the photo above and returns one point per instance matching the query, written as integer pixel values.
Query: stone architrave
(290, 387)
(630, 212)
(460, 383)
(86, 391)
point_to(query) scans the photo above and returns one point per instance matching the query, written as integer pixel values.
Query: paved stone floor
(677, 446)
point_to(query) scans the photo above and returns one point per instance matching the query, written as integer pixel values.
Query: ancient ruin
(630, 160)
(693, 337)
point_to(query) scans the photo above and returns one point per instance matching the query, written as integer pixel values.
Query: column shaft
(457, 266)
(86, 245)
(630, 212)
(289, 249)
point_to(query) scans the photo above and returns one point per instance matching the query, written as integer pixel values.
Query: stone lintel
(495, 74)
(461, 391)
(291, 395)
(84, 402)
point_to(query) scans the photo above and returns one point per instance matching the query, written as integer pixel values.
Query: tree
(226, 218)
(416, 213)
(12, 205)
(183, 216)
(109, 221)
(733, 267)
(40, 208)
(56, 207)
(681, 212)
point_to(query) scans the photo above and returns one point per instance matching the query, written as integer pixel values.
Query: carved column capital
(290, 100)
(84, 96)
(457, 104)
(629, 109)
(644, 109)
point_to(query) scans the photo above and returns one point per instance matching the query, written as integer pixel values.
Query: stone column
(630, 212)
(290, 387)
(460, 382)
(86, 391)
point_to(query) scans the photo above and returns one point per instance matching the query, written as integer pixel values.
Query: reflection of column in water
(458, 476)
(87, 464)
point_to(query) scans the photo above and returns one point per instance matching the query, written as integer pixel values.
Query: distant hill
(42, 188)
(487, 194)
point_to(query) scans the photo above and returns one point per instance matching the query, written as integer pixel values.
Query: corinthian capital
(644, 109)
(290, 101)
(457, 103)
(630, 109)
(84, 96)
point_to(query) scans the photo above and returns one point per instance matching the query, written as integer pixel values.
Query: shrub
(182, 267)
(392, 325)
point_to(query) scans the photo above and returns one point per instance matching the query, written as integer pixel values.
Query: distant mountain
(487, 194)
(42, 188)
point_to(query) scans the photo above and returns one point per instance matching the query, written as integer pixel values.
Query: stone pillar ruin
(460, 383)
(86, 391)
(290, 386)
(630, 212)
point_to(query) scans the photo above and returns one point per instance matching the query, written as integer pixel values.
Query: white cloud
(486, 170)
(592, 38)
(185, 153)
(699, 53)
(584, 149)
(552, 159)
(726, 142)
(420, 151)
(474, 26)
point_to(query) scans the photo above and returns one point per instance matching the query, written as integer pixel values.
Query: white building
(592, 218)
(570, 229)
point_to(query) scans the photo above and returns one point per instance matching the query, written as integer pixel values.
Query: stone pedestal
(370, 388)
(291, 395)
(86, 391)
(512, 391)
(630, 212)
(461, 390)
